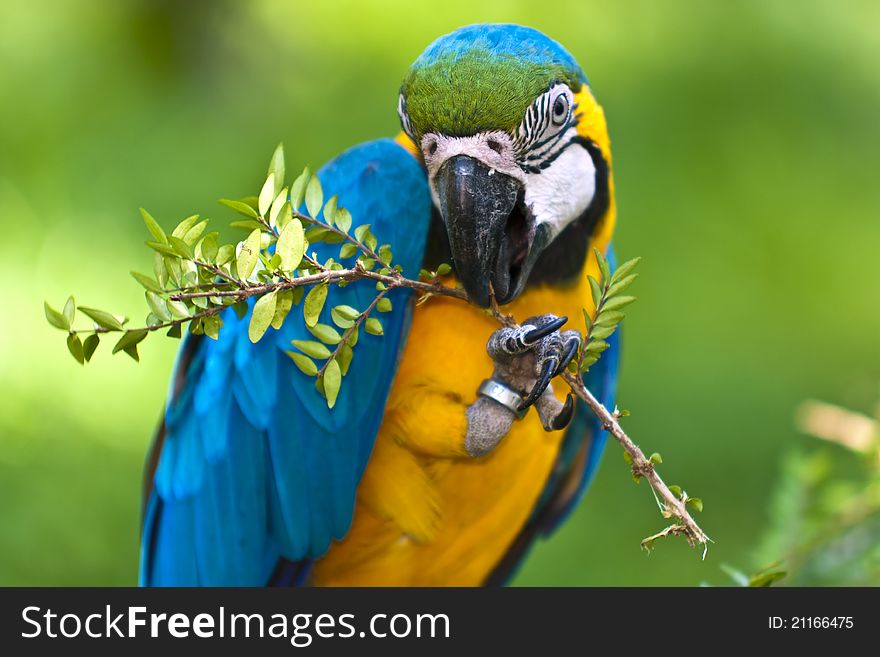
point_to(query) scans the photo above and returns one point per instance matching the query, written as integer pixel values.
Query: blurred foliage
(745, 150)
(825, 514)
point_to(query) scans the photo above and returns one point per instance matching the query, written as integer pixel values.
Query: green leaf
(89, 346)
(361, 231)
(55, 318)
(291, 245)
(326, 334)
(617, 303)
(597, 346)
(195, 232)
(609, 318)
(209, 247)
(69, 310)
(183, 227)
(595, 291)
(305, 364)
(332, 381)
(344, 316)
(383, 305)
(588, 360)
(180, 247)
(588, 323)
(373, 326)
(314, 197)
(330, 210)
(174, 332)
(267, 195)
(225, 254)
(298, 189)
(696, 503)
(602, 332)
(130, 339)
(675, 490)
(246, 224)
(312, 348)
(655, 458)
(242, 208)
(158, 306)
(101, 318)
(163, 248)
(314, 303)
(160, 269)
(178, 309)
(249, 254)
(347, 312)
(603, 267)
(75, 347)
(621, 285)
(280, 208)
(348, 250)
(444, 269)
(624, 269)
(261, 318)
(154, 227)
(385, 254)
(211, 326)
(628, 458)
(148, 282)
(282, 308)
(276, 166)
(346, 353)
(133, 352)
(343, 219)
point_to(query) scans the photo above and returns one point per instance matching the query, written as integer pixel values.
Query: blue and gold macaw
(503, 168)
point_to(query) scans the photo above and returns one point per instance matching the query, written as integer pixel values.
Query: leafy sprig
(609, 300)
(195, 278)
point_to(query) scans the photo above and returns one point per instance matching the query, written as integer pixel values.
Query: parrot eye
(546, 119)
(404, 118)
(560, 109)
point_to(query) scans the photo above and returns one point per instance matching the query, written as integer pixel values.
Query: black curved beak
(488, 230)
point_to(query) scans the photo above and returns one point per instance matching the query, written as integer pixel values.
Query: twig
(670, 506)
(354, 327)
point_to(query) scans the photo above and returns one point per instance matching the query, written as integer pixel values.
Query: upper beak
(487, 230)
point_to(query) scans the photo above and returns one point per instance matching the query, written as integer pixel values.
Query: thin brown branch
(670, 505)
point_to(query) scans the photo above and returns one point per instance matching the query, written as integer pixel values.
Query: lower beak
(488, 232)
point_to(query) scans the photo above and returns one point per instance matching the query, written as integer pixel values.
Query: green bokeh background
(746, 152)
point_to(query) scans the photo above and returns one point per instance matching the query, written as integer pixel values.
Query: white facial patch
(562, 191)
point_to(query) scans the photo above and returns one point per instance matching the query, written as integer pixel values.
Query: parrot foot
(526, 357)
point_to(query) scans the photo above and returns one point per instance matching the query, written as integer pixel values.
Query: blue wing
(578, 458)
(252, 469)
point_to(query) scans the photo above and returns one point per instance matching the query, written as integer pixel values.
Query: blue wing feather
(254, 468)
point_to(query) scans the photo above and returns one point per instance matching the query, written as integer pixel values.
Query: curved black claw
(547, 329)
(540, 385)
(570, 352)
(561, 421)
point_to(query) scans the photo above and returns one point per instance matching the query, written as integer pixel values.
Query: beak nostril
(495, 146)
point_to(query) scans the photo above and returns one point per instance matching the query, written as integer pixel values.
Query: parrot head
(516, 153)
